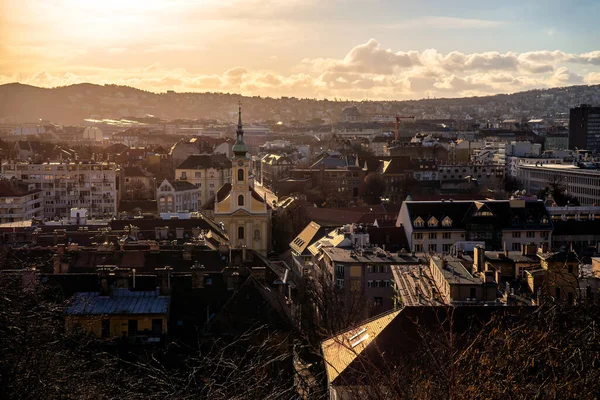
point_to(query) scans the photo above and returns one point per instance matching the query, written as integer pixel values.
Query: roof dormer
(418, 222)
(433, 222)
(447, 222)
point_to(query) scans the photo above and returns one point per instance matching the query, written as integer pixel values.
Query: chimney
(198, 276)
(479, 260)
(56, 264)
(529, 249)
(122, 278)
(29, 279)
(505, 250)
(233, 281)
(103, 274)
(134, 232)
(164, 280)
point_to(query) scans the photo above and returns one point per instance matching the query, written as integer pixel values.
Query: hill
(69, 105)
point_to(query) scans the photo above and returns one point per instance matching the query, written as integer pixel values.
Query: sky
(345, 49)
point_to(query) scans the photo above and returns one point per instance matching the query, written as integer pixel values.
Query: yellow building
(141, 316)
(243, 212)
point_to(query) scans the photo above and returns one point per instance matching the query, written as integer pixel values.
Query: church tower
(243, 212)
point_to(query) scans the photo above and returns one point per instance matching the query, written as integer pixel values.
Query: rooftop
(121, 301)
(455, 270)
(370, 255)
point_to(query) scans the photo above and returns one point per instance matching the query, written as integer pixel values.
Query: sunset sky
(351, 49)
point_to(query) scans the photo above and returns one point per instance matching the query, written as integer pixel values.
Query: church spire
(239, 129)
(240, 148)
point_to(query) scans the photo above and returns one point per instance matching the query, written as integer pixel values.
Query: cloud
(446, 23)
(367, 70)
(593, 78)
(563, 77)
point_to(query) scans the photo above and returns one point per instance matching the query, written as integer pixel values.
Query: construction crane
(387, 117)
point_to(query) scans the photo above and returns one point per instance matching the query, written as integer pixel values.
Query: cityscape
(270, 239)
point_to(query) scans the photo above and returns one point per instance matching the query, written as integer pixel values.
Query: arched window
(240, 200)
(240, 232)
(240, 174)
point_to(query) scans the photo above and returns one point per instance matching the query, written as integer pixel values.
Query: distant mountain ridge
(69, 105)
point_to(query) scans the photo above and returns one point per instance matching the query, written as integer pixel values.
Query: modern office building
(584, 128)
(579, 182)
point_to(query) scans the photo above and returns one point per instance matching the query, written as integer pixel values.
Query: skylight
(359, 341)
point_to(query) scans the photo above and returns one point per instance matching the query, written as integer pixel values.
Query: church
(244, 214)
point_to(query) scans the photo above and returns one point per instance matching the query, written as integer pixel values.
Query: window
(516, 246)
(157, 326)
(419, 222)
(339, 283)
(377, 301)
(106, 328)
(418, 236)
(418, 248)
(198, 175)
(432, 222)
(369, 283)
(240, 174)
(433, 235)
(446, 235)
(257, 234)
(183, 175)
(240, 200)
(339, 270)
(530, 234)
(132, 327)
(544, 235)
(433, 247)
(446, 222)
(446, 248)
(516, 235)
(240, 232)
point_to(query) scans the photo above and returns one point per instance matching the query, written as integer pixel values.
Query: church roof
(240, 148)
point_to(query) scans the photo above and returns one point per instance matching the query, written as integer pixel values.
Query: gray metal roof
(121, 301)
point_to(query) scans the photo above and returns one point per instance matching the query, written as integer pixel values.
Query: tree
(558, 190)
(374, 188)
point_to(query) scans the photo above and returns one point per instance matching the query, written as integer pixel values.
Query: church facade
(243, 212)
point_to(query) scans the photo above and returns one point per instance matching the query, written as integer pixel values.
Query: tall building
(89, 184)
(243, 212)
(584, 128)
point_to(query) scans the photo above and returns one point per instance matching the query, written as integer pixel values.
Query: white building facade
(64, 185)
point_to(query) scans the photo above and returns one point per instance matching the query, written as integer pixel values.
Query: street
(262, 191)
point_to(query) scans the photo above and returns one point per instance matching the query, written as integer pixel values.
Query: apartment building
(207, 172)
(19, 201)
(64, 185)
(365, 274)
(274, 167)
(434, 226)
(458, 282)
(175, 196)
(579, 182)
(487, 175)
